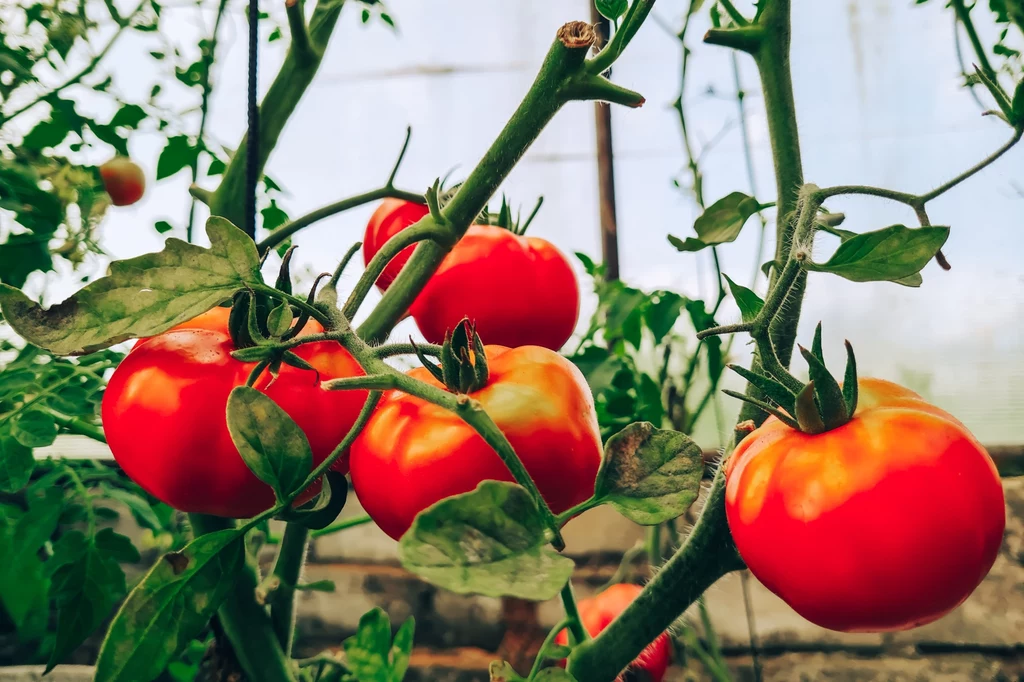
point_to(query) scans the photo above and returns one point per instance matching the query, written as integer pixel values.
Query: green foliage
(372, 656)
(894, 254)
(491, 541)
(650, 475)
(720, 223)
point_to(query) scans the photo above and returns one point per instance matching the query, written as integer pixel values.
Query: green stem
(572, 614)
(964, 15)
(282, 97)
(393, 349)
(570, 513)
(424, 230)
(706, 555)
(564, 60)
(245, 622)
(733, 13)
(341, 525)
(538, 662)
(290, 558)
(79, 426)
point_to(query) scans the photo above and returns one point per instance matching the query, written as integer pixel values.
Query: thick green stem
(706, 555)
(79, 426)
(290, 558)
(290, 84)
(245, 622)
(565, 59)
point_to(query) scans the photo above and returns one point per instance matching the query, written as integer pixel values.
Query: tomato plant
(163, 413)
(841, 501)
(598, 612)
(412, 453)
(839, 523)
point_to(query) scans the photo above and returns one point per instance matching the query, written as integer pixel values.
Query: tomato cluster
(885, 523)
(517, 290)
(165, 420)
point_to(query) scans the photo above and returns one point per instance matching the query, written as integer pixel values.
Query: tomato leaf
(720, 223)
(891, 254)
(87, 584)
(491, 541)
(141, 296)
(34, 429)
(370, 653)
(170, 606)
(662, 314)
(177, 154)
(322, 511)
(612, 9)
(271, 443)
(749, 303)
(649, 475)
(24, 584)
(16, 465)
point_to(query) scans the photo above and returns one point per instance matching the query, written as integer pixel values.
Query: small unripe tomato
(598, 612)
(885, 523)
(123, 180)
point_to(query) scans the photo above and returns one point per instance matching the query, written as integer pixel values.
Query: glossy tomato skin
(598, 612)
(885, 523)
(164, 418)
(412, 453)
(390, 218)
(517, 290)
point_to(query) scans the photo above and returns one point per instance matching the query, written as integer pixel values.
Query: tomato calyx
(505, 220)
(822, 404)
(463, 367)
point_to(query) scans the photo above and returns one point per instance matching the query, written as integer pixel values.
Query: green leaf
(623, 303)
(491, 541)
(612, 9)
(273, 216)
(317, 586)
(749, 303)
(271, 443)
(142, 296)
(1017, 106)
(24, 583)
(16, 465)
(722, 221)
(87, 583)
(689, 244)
(501, 671)
(34, 429)
(662, 314)
(47, 133)
(129, 116)
(650, 475)
(163, 227)
(178, 153)
(141, 510)
(889, 254)
(593, 269)
(21, 255)
(371, 655)
(170, 606)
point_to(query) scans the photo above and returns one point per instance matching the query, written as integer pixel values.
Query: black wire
(253, 136)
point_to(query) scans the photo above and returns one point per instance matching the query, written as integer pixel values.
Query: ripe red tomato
(390, 218)
(598, 612)
(518, 291)
(885, 523)
(164, 417)
(412, 453)
(123, 180)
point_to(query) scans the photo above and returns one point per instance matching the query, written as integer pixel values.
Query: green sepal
(775, 391)
(807, 415)
(290, 358)
(828, 395)
(463, 363)
(850, 388)
(762, 405)
(816, 344)
(284, 275)
(279, 320)
(428, 364)
(997, 93)
(322, 511)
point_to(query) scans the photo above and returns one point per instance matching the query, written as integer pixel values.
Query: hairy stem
(290, 558)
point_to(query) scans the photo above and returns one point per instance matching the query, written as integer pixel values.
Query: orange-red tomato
(598, 612)
(413, 453)
(164, 416)
(390, 218)
(885, 523)
(517, 290)
(123, 180)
